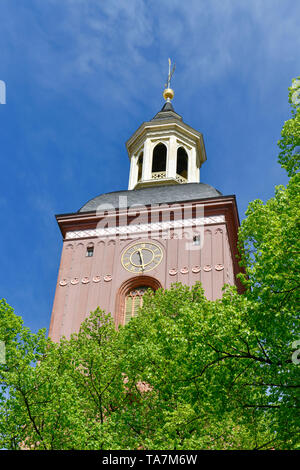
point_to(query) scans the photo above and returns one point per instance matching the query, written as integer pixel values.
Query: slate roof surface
(167, 112)
(158, 194)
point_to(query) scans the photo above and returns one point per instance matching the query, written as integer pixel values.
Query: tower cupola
(165, 150)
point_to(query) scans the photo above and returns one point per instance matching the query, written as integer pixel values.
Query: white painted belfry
(166, 128)
(133, 174)
(147, 161)
(193, 169)
(172, 157)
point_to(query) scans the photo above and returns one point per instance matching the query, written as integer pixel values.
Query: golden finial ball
(168, 93)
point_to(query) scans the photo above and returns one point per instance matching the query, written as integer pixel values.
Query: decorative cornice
(142, 228)
(149, 128)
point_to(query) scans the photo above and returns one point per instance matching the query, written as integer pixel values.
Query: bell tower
(165, 150)
(168, 227)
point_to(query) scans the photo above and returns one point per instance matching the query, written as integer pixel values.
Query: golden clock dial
(142, 257)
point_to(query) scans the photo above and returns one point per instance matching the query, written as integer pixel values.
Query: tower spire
(168, 93)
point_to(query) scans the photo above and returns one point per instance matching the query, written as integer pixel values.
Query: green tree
(59, 396)
(186, 373)
(289, 143)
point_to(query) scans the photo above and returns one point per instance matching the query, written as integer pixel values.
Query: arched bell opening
(159, 160)
(182, 163)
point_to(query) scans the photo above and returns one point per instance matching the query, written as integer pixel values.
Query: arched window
(159, 161)
(133, 301)
(182, 163)
(130, 297)
(140, 166)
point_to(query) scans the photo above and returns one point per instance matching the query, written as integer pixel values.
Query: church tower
(166, 228)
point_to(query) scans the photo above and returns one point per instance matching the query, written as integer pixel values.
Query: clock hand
(142, 259)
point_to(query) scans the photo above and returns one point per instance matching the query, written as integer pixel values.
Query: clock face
(142, 257)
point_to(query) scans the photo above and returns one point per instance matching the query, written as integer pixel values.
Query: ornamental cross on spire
(167, 85)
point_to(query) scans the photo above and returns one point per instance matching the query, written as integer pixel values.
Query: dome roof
(151, 195)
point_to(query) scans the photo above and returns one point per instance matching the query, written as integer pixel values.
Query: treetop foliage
(289, 157)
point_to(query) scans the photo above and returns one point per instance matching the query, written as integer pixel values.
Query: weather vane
(167, 85)
(168, 93)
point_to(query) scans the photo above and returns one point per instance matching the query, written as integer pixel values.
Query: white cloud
(120, 48)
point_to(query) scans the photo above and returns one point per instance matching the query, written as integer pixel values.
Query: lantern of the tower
(165, 150)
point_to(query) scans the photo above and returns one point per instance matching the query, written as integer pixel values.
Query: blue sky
(82, 75)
